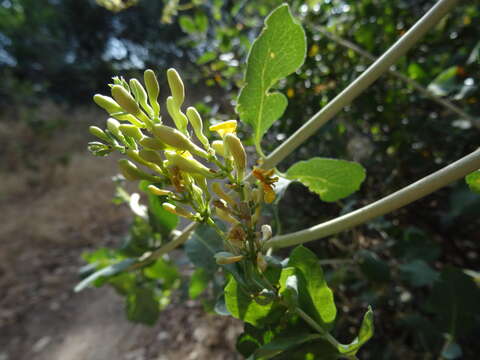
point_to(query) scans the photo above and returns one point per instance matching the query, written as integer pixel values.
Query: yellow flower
(226, 127)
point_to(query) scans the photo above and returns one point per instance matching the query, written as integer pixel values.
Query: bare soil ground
(55, 203)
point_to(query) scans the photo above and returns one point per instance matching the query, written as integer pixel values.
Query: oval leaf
(278, 51)
(330, 178)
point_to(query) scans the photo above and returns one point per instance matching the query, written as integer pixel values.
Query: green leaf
(206, 57)
(163, 270)
(201, 247)
(283, 343)
(374, 268)
(418, 273)
(445, 82)
(187, 24)
(242, 306)
(163, 220)
(201, 20)
(198, 283)
(455, 300)
(473, 181)
(278, 51)
(365, 334)
(142, 307)
(331, 179)
(315, 297)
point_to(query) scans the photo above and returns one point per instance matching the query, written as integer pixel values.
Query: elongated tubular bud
(190, 166)
(177, 140)
(153, 90)
(114, 127)
(123, 116)
(152, 143)
(226, 216)
(177, 210)
(160, 192)
(135, 156)
(218, 190)
(151, 156)
(132, 131)
(141, 95)
(235, 147)
(132, 172)
(198, 194)
(219, 148)
(107, 103)
(197, 124)
(201, 181)
(224, 258)
(178, 117)
(176, 86)
(125, 100)
(99, 133)
(261, 262)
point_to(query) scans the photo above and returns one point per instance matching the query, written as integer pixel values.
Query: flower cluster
(195, 178)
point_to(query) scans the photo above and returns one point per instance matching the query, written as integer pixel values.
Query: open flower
(226, 127)
(268, 181)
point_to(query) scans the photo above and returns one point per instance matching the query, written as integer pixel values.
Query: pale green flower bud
(132, 172)
(178, 117)
(224, 258)
(218, 190)
(125, 100)
(132, 131)
(266, 232)
(219, 148)
(176, 139)
(197, 124)
(107, 103)
(197, 194)
(178, 210)
(141, 95)
(235, 147)
(123, 116)
(261, 262)
(176, 86)
(225, 216)
(114, 127)
(153, 90)
(160, 192)
(96, 131)
(191, 165)
(151, 143)
(151, 156)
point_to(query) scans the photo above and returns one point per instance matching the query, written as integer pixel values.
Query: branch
(416, 85)
(349, 94)
(336, 105)
(392, 202)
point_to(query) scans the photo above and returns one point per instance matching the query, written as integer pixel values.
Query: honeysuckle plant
(288, 309)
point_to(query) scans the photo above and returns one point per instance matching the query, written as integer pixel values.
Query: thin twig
(394, 201)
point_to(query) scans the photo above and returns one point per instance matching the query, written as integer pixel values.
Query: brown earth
(55, 203)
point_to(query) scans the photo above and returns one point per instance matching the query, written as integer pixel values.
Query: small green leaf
(198, 283)
(163, 220)
(445, 82)
(201, 247)
(330, 178)
(278, 51)
(315, 297)
(282, 343)
(242, 306)
(163, 270)
(142, 307)
(187, 24)
(418, 273)
(365, 334)
(473, 181)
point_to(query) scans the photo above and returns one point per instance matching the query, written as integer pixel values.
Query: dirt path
(49, 216)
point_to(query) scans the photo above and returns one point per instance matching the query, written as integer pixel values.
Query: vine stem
(405, 196)
(397, 50)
